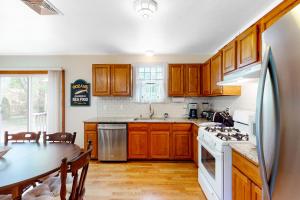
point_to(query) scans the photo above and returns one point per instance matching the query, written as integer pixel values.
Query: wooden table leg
(17, 192)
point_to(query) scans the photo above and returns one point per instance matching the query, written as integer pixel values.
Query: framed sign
(80, 93)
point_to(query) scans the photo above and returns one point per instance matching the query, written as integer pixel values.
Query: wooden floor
(143, 181)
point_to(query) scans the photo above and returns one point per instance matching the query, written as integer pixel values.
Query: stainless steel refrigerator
(278, 110)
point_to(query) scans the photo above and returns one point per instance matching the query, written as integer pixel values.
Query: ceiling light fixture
(149, 53)
(145, 8)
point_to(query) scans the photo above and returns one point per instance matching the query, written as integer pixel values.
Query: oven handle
(207, 147)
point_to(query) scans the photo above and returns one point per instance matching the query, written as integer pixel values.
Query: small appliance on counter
(193, 110)
(206, 111)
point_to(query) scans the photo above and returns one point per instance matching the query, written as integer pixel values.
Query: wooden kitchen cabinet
(248, 47)
(121, 80)
(101, 80)
(90, 134)
(138, 144)
(112, 80)
(192, 82)
(229, 57)
(160, 144)
(176, 80)
(241, 186)
(256, 192)
(182, 145)
(184, 80)
(206, 91)
(246, 181)
(195, 144)
(216, 74)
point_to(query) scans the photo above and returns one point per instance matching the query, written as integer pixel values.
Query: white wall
(80, 67)
(247, 100)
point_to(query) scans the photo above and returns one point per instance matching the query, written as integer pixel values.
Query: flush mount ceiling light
(149, 53)
(145, 8)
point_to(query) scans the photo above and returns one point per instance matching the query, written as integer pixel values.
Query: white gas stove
(215, 155)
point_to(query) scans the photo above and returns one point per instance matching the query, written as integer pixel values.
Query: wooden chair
(66, 187)
(79, 163)
(60, 137)
(21, 137)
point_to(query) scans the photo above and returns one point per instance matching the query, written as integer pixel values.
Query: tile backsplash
(126, 107)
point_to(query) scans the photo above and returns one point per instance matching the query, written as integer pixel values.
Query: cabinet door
(176, 76)
(92, 136)
(138, 144)
(195, 145)
(206, 79)
(160, 144)
(121, 81)
(182, 144)
(247, 45)
(192, 79)
(229, 57)
(216, 74)
(256, 192)
(101, 80)
(241, 186)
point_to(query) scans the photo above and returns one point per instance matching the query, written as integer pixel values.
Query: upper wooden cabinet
(206, 79)
(184, 80)
(192, 80)
(121, 80)
(229, 57)
(112, 80)
(176, 80)
(101, 80)
(248, 47)
(216, 74)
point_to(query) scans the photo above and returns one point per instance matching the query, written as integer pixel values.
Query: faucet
(151, 111)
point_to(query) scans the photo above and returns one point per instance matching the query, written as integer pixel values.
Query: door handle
(268, 64)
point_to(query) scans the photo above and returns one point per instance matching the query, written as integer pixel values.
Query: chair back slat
(21, 137)
(60, 137)
(73, 166)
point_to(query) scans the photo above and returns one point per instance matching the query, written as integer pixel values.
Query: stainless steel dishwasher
(112, 142)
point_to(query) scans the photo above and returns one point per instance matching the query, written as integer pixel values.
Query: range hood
(42, 7)
(246, 74)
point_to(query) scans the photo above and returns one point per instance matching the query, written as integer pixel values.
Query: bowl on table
(4, 150)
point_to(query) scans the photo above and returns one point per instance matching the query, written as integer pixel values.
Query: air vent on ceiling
(42, 7)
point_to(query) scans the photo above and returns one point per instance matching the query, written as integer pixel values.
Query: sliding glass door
(23, 103)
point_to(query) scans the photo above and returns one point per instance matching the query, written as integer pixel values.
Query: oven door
(211, 167)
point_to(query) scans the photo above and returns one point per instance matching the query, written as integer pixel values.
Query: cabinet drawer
(182, 127)
(247, 168)
(90, 126)
(160, 127)
(138, 126)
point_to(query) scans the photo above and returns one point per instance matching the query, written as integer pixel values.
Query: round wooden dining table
(25, 163)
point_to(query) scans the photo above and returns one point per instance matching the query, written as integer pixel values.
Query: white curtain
(54, 102)
(147, 76)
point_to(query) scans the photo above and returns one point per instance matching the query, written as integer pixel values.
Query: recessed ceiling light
(145, 8)
(149, 53)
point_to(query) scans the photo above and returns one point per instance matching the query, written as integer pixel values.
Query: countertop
(154, 120)
(248, 150)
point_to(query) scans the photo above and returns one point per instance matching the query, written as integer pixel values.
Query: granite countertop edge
(247, 150)
(131, 120)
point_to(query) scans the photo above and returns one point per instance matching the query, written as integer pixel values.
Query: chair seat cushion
(6, 197)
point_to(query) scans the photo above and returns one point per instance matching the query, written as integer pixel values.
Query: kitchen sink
(150, 119)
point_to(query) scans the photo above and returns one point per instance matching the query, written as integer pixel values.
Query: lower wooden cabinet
(241, 186)
(182, 145)
(160, 144)
(160, 141)
(138, 144)
(90, 134)
(195, 144)
(246, 183)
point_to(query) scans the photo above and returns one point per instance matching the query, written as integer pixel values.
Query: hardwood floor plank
(143, 181)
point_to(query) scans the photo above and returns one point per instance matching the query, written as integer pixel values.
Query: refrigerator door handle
(268, 64)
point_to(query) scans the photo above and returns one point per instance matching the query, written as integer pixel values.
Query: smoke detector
(42, 7)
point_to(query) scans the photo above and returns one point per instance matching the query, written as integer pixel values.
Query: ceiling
(112, 27)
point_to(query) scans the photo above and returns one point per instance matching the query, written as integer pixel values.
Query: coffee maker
(193, 110)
